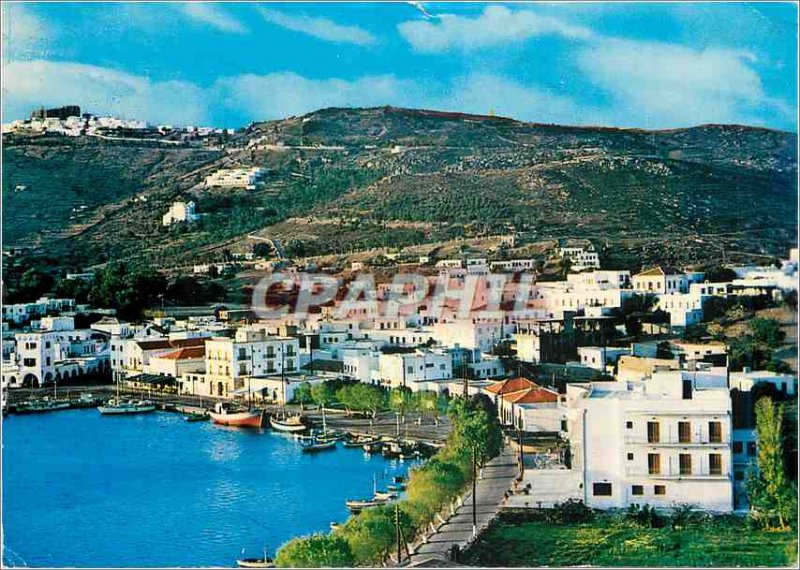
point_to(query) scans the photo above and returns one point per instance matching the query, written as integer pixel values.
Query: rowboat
(396, 487)
(118, 407)
(226, 415)
(293, 424)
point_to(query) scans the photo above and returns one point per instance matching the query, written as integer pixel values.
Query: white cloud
(28, 84)
(282, 94)
(481, 93)
(214, 17)
(495, 26)
(321, 28)
(23, 33)
(665, 85)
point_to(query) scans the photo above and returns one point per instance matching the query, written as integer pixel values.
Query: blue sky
(227, 64)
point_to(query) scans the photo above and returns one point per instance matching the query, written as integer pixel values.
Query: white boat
(292, 424)
(116, 407)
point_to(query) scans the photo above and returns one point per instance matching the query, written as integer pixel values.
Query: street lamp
(474, 491)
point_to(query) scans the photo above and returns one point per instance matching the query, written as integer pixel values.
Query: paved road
(497, 477)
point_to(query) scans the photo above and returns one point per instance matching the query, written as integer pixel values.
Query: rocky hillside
(351, 179)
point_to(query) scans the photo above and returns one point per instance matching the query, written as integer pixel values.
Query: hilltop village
(637, 379)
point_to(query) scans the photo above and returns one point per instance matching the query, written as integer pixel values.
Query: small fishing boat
(85, 400)
(39, 406)
(361, 442)
(330, 436)
(392, 451)
(228, 415)
(263, 562)
(358, 506)
(372, 446)
(197, 417)
(119, 407)
(334, 525)
(291, 424)
(315, 446)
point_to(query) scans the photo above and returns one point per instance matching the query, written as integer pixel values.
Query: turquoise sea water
(82, 490)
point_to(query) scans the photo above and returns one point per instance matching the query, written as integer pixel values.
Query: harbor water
(85, 490)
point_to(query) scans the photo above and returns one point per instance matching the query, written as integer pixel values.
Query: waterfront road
(496, 479)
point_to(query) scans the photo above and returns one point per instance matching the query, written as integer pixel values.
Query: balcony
(673, 473)
(674, 441)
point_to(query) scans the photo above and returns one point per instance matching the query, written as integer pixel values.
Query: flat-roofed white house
(180, 211)
(418, 370)
(662, 441)
(661, 280)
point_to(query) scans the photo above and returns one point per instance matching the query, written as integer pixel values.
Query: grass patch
(610, 540)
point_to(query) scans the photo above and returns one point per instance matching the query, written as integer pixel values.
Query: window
(751, 448)
(738, 475)
(684, 432)
(563, 425)
(29, 362)
(630, 457)
(738, 447)
(653, 432)
(637, 490)
(715, 432)
(660, 490)
(601, 489)
(685, 463)
(714, 464)
(653, 463)
(687, 389)
(629, 425)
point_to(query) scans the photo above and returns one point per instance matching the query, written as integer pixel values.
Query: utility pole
(397, 530)
(474, 492)
(521, 454)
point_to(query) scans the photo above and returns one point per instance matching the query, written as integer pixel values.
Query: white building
(661, 280)
(232, 362)
(581, 255)
(180, 212)
(235, 178)
(415, 370)
(601, 357)
(663, 441)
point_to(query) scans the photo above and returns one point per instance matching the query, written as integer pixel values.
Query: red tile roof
(533, 396)
(185, 353)
(512, 385)
(164, 343)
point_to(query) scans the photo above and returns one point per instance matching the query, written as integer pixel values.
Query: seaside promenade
(457, 529)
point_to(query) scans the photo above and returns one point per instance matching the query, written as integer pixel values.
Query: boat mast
(283, 378)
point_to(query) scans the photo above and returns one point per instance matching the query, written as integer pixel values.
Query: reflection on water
(153, 490)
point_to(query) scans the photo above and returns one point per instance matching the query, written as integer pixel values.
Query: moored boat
(39, 406)
(356, 506)
(119, 407)
(292, 424)
(197, 417)
(227, 415)
(315, 446)
(255, 563)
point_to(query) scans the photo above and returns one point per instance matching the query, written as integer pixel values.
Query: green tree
(303, 393)
(767, 331)
(315, 551)
(401, 401)
(371, 534)
(773, 497)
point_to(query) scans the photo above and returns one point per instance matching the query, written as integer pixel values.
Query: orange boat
(227, 416)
